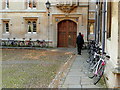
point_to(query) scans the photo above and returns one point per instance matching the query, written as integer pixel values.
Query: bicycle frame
(98, 66)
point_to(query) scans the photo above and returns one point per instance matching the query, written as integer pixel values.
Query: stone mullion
(28, 1)
(31, 26)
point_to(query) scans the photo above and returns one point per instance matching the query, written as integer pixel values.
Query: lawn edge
(60, 76)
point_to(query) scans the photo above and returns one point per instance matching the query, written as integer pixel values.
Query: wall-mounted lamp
(48, 4)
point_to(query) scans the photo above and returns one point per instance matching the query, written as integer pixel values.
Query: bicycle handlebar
(108, 56)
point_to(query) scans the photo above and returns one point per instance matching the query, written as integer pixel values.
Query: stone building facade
(29, 19)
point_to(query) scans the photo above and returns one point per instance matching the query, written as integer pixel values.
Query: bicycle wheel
(91, 71)
(99, 74)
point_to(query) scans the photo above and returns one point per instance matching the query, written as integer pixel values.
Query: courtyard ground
(24, 68)
(42, 68)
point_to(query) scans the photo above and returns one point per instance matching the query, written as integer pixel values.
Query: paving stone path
(77, 76)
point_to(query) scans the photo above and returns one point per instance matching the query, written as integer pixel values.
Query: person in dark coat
(80, 42)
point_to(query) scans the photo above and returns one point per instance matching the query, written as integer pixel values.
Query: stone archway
(67, 32)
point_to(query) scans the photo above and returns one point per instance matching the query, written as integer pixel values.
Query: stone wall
(112, 49)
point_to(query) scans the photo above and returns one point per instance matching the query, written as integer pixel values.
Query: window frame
(5, 28)
(93, 24)
(30, 24)
(31, 4)
(91, 21)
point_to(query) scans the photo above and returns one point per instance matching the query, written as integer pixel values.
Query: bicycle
(93, 51)
(22, 43)
(97, 70)
(8, 42)
(14, 42)
(28, 43)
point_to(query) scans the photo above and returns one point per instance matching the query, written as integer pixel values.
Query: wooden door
(67, 32)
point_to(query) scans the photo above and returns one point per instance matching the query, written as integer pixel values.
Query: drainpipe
(98, 22)
(95, 29)
(103, 25)
(88, 30)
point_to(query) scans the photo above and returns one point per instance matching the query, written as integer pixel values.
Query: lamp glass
(47, 4)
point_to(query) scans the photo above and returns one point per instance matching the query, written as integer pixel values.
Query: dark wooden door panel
(62, 39)
(67, 31)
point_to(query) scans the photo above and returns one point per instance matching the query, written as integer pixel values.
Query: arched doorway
(67, 32)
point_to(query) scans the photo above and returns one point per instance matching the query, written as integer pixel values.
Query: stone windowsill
(7, 33)
(31, 33)
(31, 8)
(116, 70)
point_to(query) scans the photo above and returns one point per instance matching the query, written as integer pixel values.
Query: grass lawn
(22, 68)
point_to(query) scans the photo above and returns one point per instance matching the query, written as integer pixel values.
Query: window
(6, 4)
(91, 28)
(6, 27)
(91, 15)
(32, 4)
(32, 26)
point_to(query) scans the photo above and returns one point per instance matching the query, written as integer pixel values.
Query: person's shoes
(79, 53)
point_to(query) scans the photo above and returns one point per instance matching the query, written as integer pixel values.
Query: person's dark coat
(80, 40)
